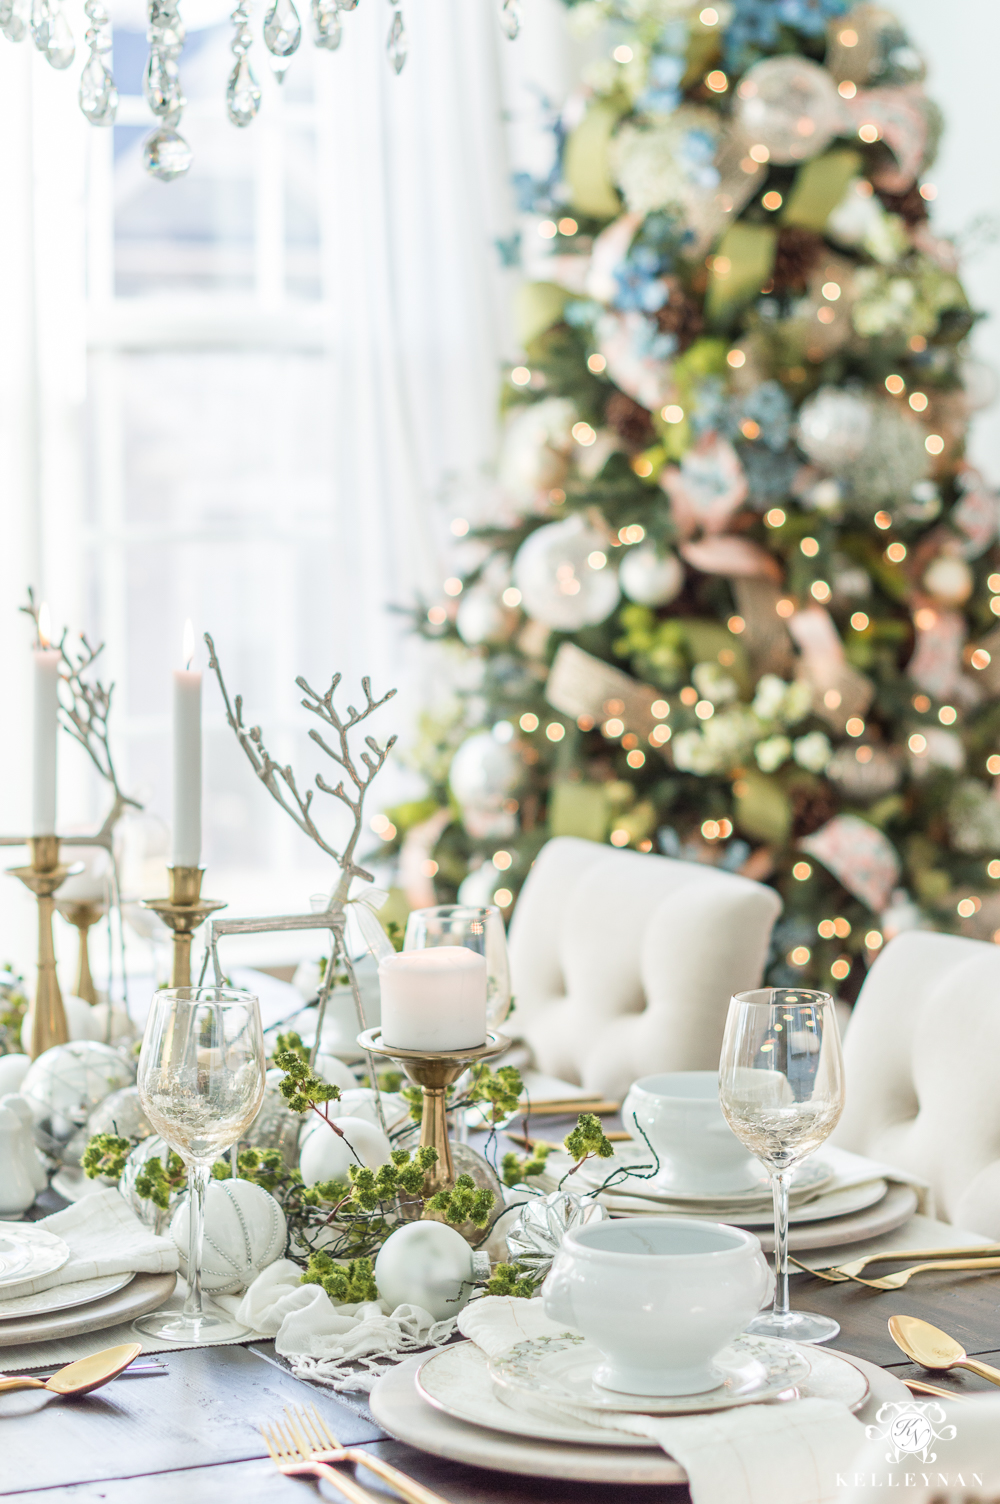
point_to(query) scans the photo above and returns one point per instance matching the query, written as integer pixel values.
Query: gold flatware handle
(340, 1481)
(983, 1369)
(919, 1387)
(407, 1488)
(17, 1382)
(890, 1255)
(903, 1276)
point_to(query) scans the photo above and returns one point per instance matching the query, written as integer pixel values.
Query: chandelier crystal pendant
(166, 154)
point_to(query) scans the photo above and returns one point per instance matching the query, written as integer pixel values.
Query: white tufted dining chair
(623, 964)
(922, 1059)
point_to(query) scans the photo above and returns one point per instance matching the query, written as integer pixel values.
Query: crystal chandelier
(166, 154)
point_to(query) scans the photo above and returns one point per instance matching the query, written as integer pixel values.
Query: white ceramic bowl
(659, 1296)
(680, 1114)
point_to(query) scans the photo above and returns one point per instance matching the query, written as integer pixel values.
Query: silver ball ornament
(564, 576)
(650, 578)
(482, 618)
(64, 1085)
(833, 427)
(484, 770)
(276, 1126)
(427, 1264)
(788, 105)
(153, 1216)
(123, 1114)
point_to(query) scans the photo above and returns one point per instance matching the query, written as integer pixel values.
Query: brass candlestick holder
(46, 1015)
(434, 1073)
(183, 912)
(82, 916)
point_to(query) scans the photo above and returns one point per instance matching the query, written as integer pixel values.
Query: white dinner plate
(456, 1381)
(837, 1203)
(27, 1252)
(810, 1181)
(63, 1297)
(560, 1370)
(399, 1407)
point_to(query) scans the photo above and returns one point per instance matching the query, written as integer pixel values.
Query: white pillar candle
(187, 759)
(46, 731)
(433, 1000)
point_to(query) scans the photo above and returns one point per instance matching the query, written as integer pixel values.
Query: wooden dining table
(190, 1435)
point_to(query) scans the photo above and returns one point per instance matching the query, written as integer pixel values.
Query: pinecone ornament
(797, 254)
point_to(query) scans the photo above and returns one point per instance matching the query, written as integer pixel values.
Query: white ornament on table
(245, 1231)
(13, 1069)
(359, 1103)
(564, 575)
(16, 1189)
(121, 1113)
(650, 578)
(329, 1155)
(428, 1264)
(65, 1084)
(333, 1070)
(37, 1173)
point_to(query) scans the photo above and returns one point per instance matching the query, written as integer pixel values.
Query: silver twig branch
(281, 783)
(85, 716)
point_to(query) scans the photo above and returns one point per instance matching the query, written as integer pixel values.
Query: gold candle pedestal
(46, 1015)
(434, 1073)
(183, 912)
(82, 916)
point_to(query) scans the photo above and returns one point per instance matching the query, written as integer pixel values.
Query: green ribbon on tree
(538, 306)
(743, 262)
(587, 163)
(579, 809)
(819, 187)
(762, 807)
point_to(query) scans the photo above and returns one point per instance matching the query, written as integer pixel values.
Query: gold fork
(835, 1273)
(294, 1463)
(903, 1276)
(319, 1443)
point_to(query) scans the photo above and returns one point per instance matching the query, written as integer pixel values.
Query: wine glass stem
(779, 1186)
(197, 1185)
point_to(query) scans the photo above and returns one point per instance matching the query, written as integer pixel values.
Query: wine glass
(478, 929)
(201, 1082)
(781, 1086)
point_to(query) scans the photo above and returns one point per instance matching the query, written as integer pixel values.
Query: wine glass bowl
(781, 1087)
(201, 1083)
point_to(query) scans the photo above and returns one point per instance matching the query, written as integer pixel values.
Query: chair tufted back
(623, 964)
(922, 1071)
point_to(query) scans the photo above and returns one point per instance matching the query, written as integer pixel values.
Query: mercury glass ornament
(64, 1085)
(537, 1235)
(153, 1216)
(789, 106)
(122, 1113)
(833, 427)
(565, 577)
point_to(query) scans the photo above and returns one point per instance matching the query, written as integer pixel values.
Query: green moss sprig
(354, 1281)
(517, 1168)
(587, 1141)
(507, 1279)
(159, 1181)
(105, 1154)
(300, 1086)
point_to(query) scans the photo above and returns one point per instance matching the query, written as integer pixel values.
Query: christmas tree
(739, 604)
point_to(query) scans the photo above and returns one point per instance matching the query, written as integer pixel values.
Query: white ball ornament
(482, 618)
(428, 1264)
(334, 1071)
(13, 1069)
(328, 1155)
(649, 578)
(245, 1231)
(65, 1084)
(833, 427)
(564, 575)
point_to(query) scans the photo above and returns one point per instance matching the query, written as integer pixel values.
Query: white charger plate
(399, 1407)
(456, 1381)
(79, 1292)
(839, 1203)
(27, 1252)
(809, 1179)
(143, 1293)
(561, 1370)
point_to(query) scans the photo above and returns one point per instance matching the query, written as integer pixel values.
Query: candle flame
(44, 625)
(187, 644)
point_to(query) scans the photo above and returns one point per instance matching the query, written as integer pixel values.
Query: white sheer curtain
(186, 429)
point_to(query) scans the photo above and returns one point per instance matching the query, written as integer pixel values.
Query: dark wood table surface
(191, 1436)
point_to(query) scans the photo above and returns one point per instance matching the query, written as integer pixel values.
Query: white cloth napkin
(104, 1237)
(788, 1453)
(345, 1345)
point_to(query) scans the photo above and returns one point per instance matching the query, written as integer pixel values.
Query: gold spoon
(932, 1348)
(83, 1375)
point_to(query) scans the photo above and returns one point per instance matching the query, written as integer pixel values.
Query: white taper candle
(187, 758)
(433, 1000)
(46, 731)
